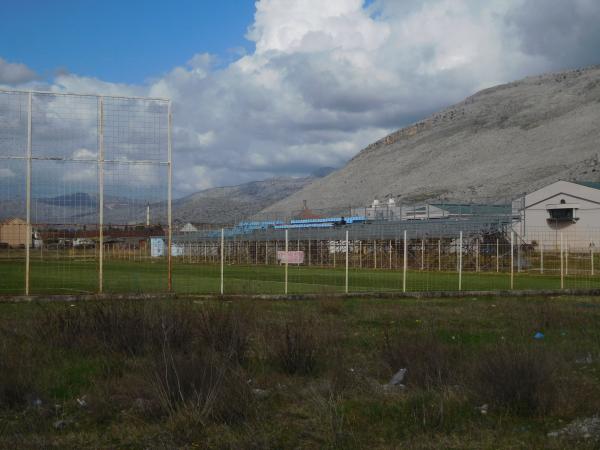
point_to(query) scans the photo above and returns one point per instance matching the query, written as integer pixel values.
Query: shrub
(429, 361)
(520, 380)
(202, 386)
(16, 376)
(226, 329)
(126, 327)
(295, 347)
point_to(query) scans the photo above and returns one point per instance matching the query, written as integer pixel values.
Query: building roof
(590, 184)
(474, 209)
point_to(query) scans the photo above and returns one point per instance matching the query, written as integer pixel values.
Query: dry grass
(521, 380)
(296, 347)
(297, 375)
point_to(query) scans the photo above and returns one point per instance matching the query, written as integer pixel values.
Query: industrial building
(565, 209)
(13, 233)
(391, 210)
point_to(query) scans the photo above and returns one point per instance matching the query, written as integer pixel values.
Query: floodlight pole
(100, 194)
(28, 199)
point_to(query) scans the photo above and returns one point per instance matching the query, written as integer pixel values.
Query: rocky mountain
(217, 205)
(234, 203)
(494, 145)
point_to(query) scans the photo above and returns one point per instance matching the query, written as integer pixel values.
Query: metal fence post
(460, 250)
(541, 258)
(562, 263)
(169, 195)
(567, 258)
(286, 261)
(101, 195)
(512, 258)
(405, 263)
(497, 255)
(592, 260)
(347, 256)
(439, 255)
(222, 260)
(375, 254)
(28, 198)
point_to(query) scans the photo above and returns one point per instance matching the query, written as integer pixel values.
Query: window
(561, 214)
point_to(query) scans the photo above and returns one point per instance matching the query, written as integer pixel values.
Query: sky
(284, 87)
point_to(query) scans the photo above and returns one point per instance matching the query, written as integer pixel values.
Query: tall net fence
(84, 186)
(85, 207)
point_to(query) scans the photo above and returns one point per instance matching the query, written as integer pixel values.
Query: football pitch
(64, 276)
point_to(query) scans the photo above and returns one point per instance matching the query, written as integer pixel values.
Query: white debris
(398, 377)
(587, 428)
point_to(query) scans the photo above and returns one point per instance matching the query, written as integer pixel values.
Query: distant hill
(234, 203)
(220, 205)
(495, 144)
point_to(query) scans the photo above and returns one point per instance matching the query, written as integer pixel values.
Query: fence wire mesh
(85, 207)
(84, 184)
(401, 256)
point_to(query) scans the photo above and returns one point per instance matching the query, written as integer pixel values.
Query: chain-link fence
(84, 184)
(85, 207)
(402, 256)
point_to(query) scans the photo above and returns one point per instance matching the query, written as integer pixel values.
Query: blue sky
(121, 41)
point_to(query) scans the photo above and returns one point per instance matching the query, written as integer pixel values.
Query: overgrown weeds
(296, 347)
(296, 375)
(519, 379)
(429, 361)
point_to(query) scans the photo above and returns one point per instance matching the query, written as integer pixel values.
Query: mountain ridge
(492, 146)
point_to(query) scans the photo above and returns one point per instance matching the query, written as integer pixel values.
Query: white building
(566, 209)
(188, 228)
(390, 210)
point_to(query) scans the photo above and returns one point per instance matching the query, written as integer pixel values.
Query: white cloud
(329, 77)
(85, 154)
(6, 173)
(14, 73)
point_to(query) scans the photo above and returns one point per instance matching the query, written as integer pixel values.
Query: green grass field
(80, 276)
(278, 374)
